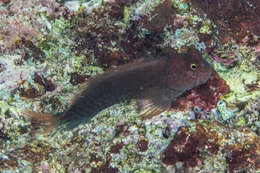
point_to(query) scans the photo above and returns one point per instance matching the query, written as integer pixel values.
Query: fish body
(154, 82)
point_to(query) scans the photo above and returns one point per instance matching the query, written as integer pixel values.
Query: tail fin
(42, 122)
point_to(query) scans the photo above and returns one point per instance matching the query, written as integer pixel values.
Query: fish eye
(193, 67)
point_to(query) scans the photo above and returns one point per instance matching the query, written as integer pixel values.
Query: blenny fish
(154, 82)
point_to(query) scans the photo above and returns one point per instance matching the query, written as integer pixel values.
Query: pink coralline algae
(188, 145)
(117, 147)
(205, 96)
(10, 71)
(20, 19)
(142, 144)
(13, 30)
(235, 18)
(185, 147)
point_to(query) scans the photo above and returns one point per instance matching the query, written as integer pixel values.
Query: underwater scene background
(51, 49)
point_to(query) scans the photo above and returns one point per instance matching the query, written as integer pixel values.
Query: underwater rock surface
(48, 49)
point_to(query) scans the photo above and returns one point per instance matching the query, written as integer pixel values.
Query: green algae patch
(240, 77)
(206, 27)
(126, 14)
(237, 66)
(225, 112)
(181, 6)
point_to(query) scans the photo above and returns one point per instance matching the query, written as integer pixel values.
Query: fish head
(186, 71)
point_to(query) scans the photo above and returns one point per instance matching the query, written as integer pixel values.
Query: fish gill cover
(50, 49)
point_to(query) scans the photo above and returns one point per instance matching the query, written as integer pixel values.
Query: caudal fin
(42, 122)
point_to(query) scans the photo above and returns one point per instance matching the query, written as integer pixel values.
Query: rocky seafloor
(49, 48)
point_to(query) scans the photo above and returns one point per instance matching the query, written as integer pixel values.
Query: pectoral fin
(150, 109)
(155, 101)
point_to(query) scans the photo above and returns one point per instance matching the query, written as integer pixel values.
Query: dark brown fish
(155, 82)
